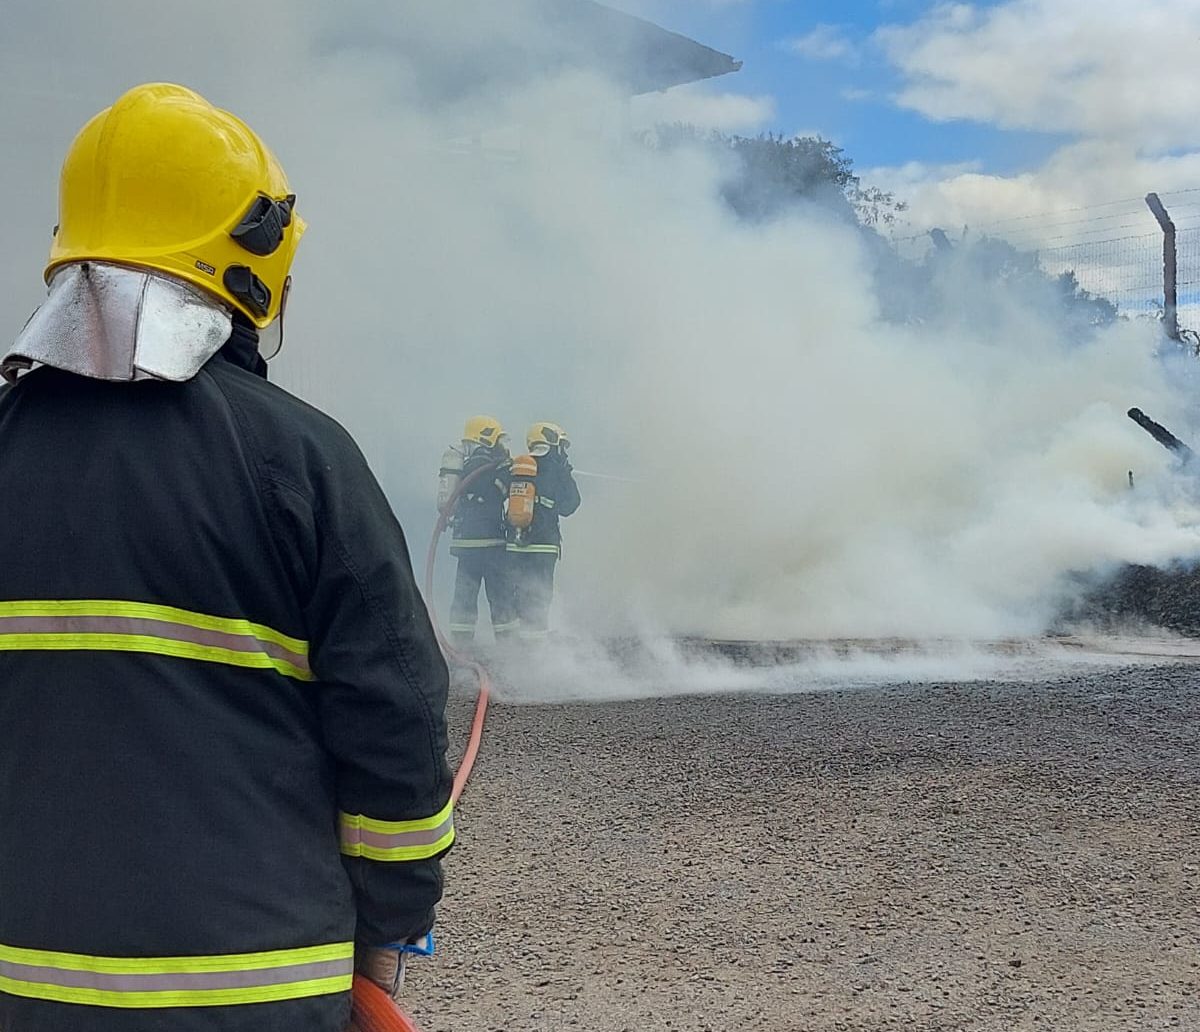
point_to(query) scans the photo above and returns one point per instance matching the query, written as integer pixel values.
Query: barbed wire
(1051, 220)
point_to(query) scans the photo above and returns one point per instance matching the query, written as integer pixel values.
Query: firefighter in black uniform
(222, 733)
(479, 539)
(534, 552)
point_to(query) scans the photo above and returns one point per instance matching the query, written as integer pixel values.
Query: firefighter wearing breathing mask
(222, 706)
(542, 491)
(478, 538)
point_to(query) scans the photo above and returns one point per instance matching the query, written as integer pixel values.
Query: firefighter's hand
(384, 967)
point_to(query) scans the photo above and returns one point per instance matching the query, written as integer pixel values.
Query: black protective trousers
(533, 590)
(487, 567)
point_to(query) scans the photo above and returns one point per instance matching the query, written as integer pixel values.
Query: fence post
(1170, 273)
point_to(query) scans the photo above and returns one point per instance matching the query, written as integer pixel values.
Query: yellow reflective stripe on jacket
(117, 626)
(204, 981)
(374, 839)
(150, 611)
(476, 543)
(535, 549)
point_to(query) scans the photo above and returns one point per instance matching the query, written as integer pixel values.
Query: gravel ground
(943, 857)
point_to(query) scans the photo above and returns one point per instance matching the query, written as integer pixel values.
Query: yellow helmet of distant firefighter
(483, 430)
(164, 180)
(543, 438)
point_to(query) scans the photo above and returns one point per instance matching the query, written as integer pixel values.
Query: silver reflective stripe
(174, 982)
(535, 549)
(405, 838)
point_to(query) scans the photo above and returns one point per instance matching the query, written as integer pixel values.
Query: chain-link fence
(1187, 246)
(1115, 251)
(1129, 272)
(1126, 270)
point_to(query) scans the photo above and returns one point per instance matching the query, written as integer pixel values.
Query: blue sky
(974, 112)
(812, 94)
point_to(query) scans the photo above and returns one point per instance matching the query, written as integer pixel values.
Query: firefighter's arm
(570, 500)
(382, 687)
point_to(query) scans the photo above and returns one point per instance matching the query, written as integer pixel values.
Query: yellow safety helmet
(163, 180)
(483, 430)
(553, 436)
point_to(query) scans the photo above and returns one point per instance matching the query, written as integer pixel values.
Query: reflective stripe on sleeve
(476, 543)
(206, 981)
(113, 626)
(397, 840)
(545, 502)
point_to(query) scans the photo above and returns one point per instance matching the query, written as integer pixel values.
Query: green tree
(770, 175)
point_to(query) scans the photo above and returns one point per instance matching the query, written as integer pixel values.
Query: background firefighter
(222, 771)
(535, 548)
(479, 535)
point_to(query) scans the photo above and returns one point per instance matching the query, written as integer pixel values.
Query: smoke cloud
(485, 238)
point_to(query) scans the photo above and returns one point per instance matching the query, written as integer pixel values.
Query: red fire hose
(373, 1009)
(452, 654)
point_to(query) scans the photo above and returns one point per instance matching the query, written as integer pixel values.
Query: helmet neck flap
(113, 322)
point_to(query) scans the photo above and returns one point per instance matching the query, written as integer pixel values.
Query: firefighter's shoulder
(291, 439)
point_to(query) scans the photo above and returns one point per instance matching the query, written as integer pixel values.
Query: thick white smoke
(803, 467)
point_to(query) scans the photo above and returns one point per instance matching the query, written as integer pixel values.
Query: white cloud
(1083, 210)
(1106, 68)
(824, 43)
(1070, 196)
(1119, 78)
(698, 105)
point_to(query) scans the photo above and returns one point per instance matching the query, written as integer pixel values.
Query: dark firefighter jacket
(222, 725)
(557, 496)
(479, 514)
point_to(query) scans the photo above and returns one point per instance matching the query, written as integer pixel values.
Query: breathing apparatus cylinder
(449, 476)
(522, 493)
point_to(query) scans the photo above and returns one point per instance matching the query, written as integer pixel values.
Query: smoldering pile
(1143, 597)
